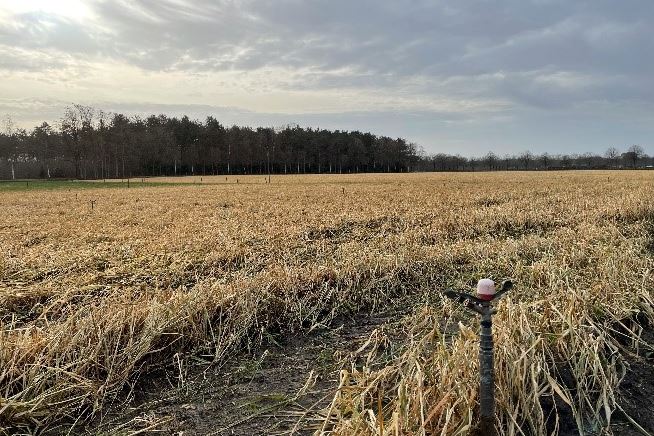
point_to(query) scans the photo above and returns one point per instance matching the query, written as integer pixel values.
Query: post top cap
(485, 288)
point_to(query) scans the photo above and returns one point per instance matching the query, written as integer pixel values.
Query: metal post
(482, 306)
(486, 376)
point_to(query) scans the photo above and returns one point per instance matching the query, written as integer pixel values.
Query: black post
(486, 376)
(482, 306)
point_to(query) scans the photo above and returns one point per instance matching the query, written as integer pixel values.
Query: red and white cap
(486, 289)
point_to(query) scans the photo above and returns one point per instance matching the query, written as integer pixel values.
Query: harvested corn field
(103, 288)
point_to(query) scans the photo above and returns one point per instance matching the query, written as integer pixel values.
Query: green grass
(36, 185)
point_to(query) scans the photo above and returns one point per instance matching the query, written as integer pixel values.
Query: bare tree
(612, 154)
(566, 161)
(545, 160)
(490, 160)
(76, 128)
(526, 159)
(102, 127)
(42, 136)
(634, 154)
(9, 127)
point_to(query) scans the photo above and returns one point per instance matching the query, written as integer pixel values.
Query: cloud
(471, 59)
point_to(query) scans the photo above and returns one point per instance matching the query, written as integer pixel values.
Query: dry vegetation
(91, 299)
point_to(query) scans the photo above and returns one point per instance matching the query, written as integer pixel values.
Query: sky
(464, 76)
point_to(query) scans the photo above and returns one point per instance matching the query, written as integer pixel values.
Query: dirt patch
(635, 415)
(271, 391)
(276, 389)
(637, 390)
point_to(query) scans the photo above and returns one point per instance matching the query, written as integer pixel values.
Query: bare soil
(264, 392)
(251, 394)
(637, 391)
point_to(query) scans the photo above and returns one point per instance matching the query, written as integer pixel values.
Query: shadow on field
(357, 230)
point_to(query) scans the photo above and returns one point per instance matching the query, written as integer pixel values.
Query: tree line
(633, 157)
(91, 144)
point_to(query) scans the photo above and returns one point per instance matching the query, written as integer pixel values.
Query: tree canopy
(91, 144)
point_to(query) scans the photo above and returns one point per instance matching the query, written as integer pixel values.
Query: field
(31, 185)
(96, 301)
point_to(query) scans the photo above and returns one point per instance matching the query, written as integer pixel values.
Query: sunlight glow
(73, 9)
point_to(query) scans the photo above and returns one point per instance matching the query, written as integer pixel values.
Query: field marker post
(482, 306)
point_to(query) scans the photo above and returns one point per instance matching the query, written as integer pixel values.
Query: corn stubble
(92, 299)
